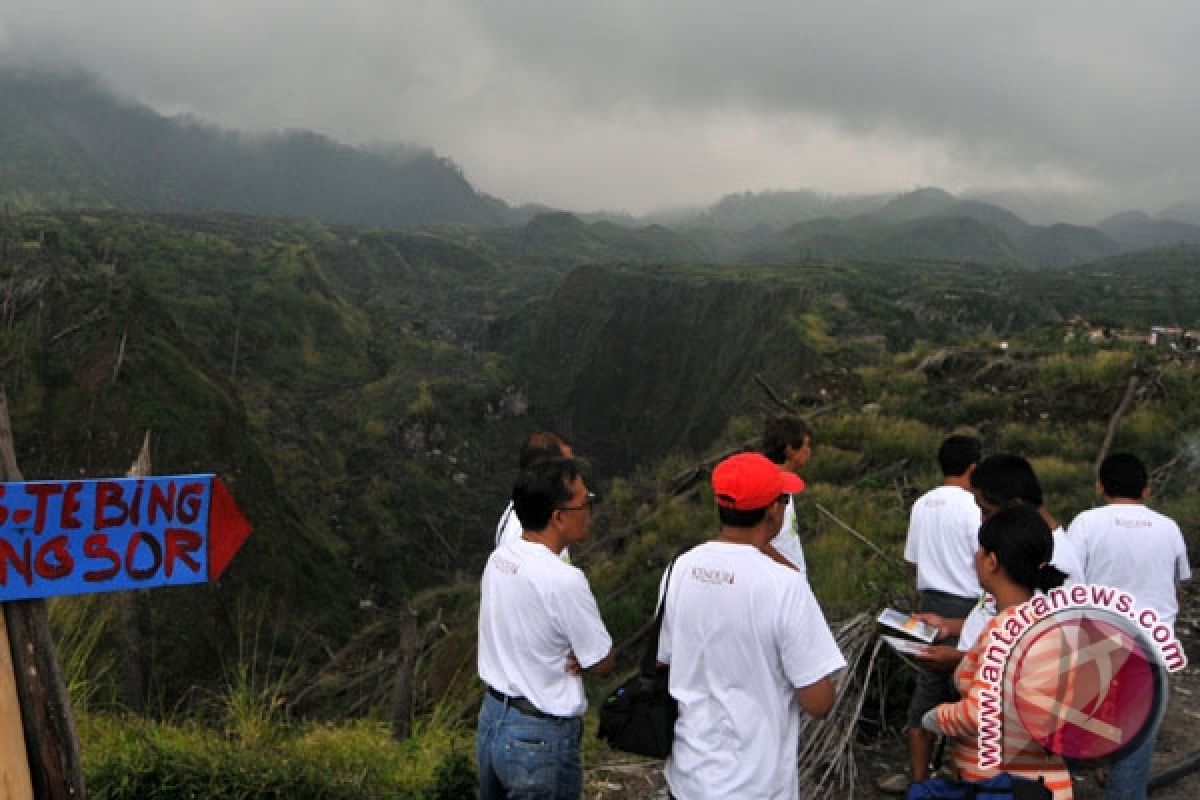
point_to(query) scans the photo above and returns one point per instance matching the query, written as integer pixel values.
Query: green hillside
(363, 392)
(67, 143)
(320, 373)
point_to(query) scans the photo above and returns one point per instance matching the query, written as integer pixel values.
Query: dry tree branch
(851, 531)
(826, 758)
(1115, 421)
(771, 393)
(93, 315)
(120, 358)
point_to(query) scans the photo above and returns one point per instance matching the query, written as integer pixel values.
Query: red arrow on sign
(228, 528)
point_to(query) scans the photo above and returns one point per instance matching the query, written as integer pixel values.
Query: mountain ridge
(69, 143)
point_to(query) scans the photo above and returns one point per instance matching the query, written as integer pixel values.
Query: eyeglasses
(588, 502)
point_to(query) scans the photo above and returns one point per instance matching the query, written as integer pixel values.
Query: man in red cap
(748, 646)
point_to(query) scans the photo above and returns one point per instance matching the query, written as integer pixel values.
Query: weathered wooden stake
(402, 697)
(14, 760)
(132, 607)
(54, 769)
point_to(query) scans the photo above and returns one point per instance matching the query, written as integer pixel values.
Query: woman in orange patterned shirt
(1015, 547)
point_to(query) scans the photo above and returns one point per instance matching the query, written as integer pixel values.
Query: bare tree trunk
(133, 613)
(120, 358)
(55, 768)
(1115, 421)
(402, 703)
(774, 395)
(237, 335)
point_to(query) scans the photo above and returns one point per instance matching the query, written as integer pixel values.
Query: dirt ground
(617, 777)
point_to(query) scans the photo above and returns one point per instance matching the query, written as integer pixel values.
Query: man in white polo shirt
(748, 647)
(1126, 545)
(943, 530)
(539, 630)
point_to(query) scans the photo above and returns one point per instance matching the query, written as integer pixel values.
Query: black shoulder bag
(639, 716)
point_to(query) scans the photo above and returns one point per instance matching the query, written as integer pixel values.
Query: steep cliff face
(634, 364)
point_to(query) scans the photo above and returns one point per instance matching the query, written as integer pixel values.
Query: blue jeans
(522, 757)
(1127, 777)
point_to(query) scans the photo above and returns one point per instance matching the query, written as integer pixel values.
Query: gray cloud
(640, 103)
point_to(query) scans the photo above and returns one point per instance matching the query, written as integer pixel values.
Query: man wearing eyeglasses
(539, 632)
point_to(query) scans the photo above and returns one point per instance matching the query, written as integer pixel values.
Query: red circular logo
(1085, 684)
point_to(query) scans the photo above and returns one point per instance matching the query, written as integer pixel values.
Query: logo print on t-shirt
(504, 565)
(713, 576)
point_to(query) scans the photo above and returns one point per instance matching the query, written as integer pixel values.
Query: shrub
(979, 407)
(847, 575)
(454, 778)
(831, 464)
(1102, 367)
(1050, 438)
(882, 440)
(1064, 482)
(129, 757)
(1150, 432)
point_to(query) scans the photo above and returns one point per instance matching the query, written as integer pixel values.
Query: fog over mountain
(636, 106)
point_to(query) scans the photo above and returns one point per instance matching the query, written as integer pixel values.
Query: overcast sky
(639, 104)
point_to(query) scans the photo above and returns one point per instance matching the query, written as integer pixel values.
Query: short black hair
(740, 519)
(1023, 544)
(782, 430)
(957, 454)
(1123, 475)
(1004, 478)
(541, 445)
(541, 488)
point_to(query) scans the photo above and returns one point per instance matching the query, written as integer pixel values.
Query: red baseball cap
(748, 481)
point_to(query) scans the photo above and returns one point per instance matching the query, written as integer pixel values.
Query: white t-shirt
(787, 541)
(1131, 547)
(1065, 557)
(976, 621)
(533, 609)
(943, 535)
(741, 633)
(509, 529)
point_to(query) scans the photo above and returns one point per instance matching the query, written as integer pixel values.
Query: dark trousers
(933, 687)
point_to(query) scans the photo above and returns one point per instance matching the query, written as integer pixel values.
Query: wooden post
(54, 768)
(402, 697)
(14, 760)
(133, 614)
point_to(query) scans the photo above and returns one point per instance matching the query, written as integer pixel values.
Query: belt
(522, 705)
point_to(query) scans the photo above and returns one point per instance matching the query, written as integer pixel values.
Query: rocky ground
(616, 776)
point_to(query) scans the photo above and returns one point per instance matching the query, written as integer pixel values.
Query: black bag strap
(650, 655)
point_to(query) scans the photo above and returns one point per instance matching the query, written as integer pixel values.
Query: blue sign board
(77, 537)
